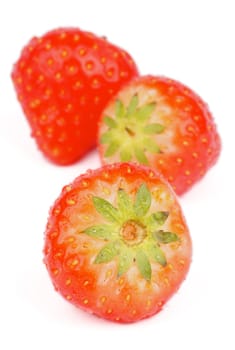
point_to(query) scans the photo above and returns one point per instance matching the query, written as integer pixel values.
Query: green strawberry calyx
(131, 233)
(130, 132)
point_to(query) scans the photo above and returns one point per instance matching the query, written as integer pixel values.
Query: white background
(192, 41)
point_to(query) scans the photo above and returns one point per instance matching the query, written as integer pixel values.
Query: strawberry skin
(161, 123)
(63, 80)
(116, 243)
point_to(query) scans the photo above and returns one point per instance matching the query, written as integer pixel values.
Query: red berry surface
(116, 243)
(161, 123)
(63, 80)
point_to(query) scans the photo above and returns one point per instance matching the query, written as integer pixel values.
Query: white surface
(192, 41)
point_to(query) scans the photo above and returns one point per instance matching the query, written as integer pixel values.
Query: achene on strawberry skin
(117, 243)
(160, 122)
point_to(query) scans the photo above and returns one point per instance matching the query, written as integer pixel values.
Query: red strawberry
(162, 123)
(63, 81)
(116, 242)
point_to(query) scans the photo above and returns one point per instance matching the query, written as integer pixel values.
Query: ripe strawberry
(116, 242)
(162, 123)
(63, 81)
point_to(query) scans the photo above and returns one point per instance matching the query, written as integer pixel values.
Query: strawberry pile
(116, 242)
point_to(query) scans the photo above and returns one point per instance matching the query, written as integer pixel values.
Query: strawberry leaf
(152, 129)
(125, 155)
(112, 149)
(124, 203)
(106, 137)
(156, 253)
(165, 237)
(132, 105)
(158, 218)
(143, 113)
(140, 156)
(143, 265)
(119, 109)
(105, 232)
(125, 261)
(110, 122)
(107, 253)
(142, 201)
(106, 209)
(151, 146)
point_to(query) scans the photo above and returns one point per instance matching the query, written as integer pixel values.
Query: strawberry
(63, 81)
(162, 123)
(117, 244)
